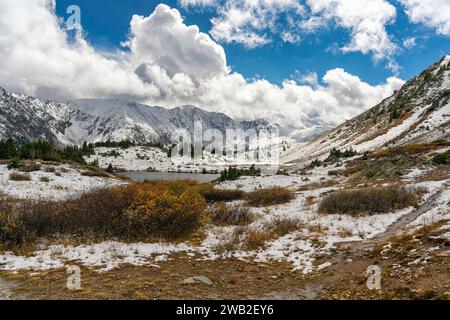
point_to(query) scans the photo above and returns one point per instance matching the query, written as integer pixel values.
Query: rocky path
(358, 252)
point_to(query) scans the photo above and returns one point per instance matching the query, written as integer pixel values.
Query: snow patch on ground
(249, 184)
(65, 182)
(390, 135)
(102, 256)
(317, 235)
(149, 158)
(440, 212)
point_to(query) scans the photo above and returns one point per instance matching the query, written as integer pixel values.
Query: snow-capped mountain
(104, 120)
(418, 113)
(23, 117)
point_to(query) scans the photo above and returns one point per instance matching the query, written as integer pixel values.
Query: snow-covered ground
(440, 212)
(316, 235)
(103, 256)
(132, 159)
(292, 181)
(66, 181)
(154, 159)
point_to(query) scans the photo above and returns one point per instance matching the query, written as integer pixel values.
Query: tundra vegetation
(370, 200)
(156, 210)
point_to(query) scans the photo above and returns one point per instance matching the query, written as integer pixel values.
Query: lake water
(144, 175)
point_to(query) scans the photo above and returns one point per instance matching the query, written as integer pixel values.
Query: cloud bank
(254, 23)
(432, 13)
(168, 63)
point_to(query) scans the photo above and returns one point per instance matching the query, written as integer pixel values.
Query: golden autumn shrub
(166, 210)
(230, 214)
(212, 194)
(133, 212)
(269, 197)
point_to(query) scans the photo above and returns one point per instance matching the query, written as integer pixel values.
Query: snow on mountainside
(118, 120)
(23, 117)
(104, 120)
(418, 113)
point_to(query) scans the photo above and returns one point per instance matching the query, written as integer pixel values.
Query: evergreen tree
(8, 149)
(110, 168)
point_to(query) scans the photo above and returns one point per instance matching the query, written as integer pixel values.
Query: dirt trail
(405, 220)
(5, 289)
(394, 229)
(357, 251)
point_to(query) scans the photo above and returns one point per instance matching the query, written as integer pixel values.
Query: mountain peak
(189, 107)
(94, 120)
(417, 113)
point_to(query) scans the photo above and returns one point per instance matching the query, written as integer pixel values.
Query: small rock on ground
(198, 279)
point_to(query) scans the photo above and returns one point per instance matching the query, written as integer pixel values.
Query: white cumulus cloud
(366, 20)
(251, 22)
(36, 56)
(254, 23)
(194, 3)
(432, 13)
(409, 43)
(169, 64)
(163, 38)
(341, 97)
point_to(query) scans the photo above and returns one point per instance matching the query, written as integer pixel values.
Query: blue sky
(107, 23)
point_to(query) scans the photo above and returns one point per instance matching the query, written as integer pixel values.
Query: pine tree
(110, 168)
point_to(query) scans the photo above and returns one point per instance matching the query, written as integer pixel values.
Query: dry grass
(345, 233)
(317, 229)
(411, 149)
(233, 242)
(15, 176)
(272, 230)
(212, 194)
(317, 185)
(259, 198)
(132, 212)
(256, 239)
(30, 167)
(233, 279)
(269, 197)
(95, 174)
(309, 202)
(49, 169)
(234, 214)
(280, 227)
(369, 200)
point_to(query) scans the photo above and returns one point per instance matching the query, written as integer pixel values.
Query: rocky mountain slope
(418, 113)
(24, 117)
(30, 118)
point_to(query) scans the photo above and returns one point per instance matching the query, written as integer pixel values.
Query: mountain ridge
(419, 112)
(95, 120)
